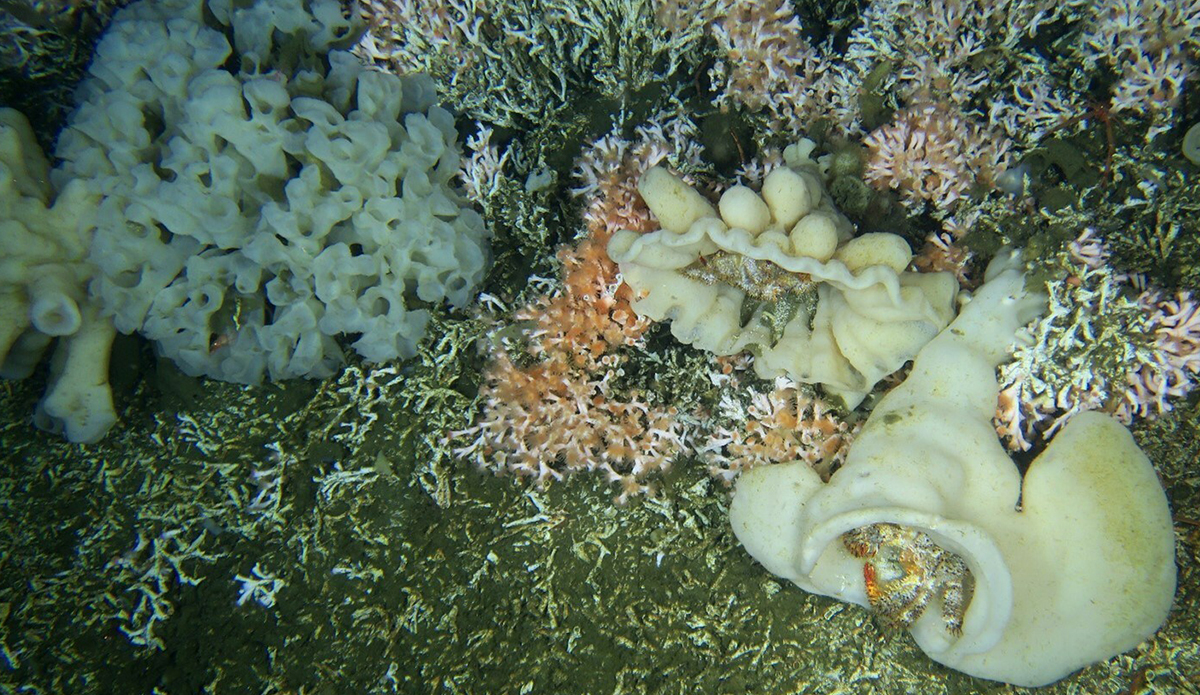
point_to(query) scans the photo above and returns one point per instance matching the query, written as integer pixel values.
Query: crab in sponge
(905, 570)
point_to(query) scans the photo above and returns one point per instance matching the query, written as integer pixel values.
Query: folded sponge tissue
(264, 192)
(43, 295)
(1035, 577)
(836, 309)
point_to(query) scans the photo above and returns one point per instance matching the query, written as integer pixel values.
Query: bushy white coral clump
(264, 192)
(1108, 342)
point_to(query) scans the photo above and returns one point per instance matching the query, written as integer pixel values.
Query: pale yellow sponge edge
(43, 289)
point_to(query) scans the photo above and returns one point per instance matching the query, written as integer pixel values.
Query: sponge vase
(1072, 564)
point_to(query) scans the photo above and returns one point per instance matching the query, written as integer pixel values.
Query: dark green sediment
(406, 570)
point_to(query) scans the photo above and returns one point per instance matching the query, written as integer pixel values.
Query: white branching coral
(1147, 43)
(1151, 83)
(413, 35)
(787, 423)
(1107, 343)
(481, 173)
(1034, 105)
(608, 168)
(946, 49)
(518, 62)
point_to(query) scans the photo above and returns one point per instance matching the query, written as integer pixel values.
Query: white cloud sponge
(264, 197)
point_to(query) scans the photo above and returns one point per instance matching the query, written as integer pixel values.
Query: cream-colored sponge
(43, 296)
(852, 314)
(1069, 565)
(675, 204)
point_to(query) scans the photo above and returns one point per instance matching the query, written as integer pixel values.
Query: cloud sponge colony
(264, 193)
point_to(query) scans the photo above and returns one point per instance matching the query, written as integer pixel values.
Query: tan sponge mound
(930, 523)
(823, 306)
(43, 289)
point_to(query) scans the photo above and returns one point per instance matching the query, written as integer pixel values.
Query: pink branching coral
(768, 66)
(942, 253)
(788, 423)
(1107, 343)
(934, 153)
(550, 403)
(1174, 362)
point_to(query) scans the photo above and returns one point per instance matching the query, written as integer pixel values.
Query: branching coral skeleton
(1107, 343)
